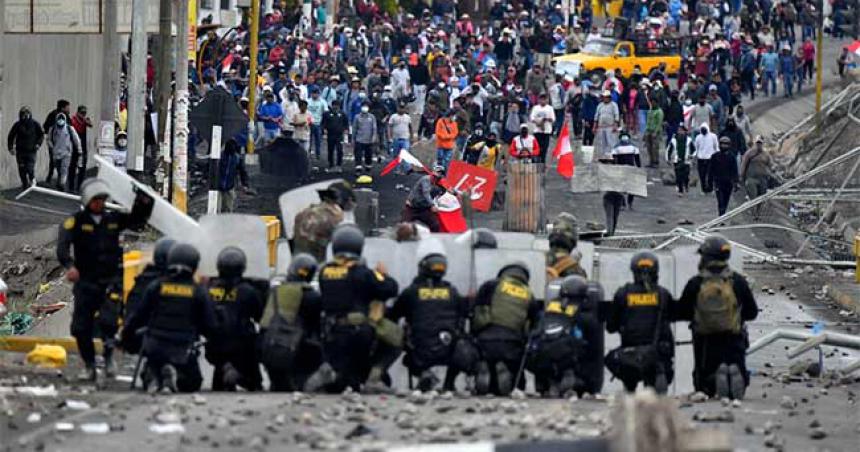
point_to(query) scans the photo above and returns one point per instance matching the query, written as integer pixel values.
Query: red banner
(482, 182)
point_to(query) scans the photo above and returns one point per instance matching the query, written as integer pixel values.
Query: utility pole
(163, 69)
(110, 77)
(180, 125)
(137, 87)
(818, 51)
(252, 76)
(2, 60)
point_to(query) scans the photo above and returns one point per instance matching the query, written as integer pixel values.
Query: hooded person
(679, 153)
(64, 142)
(718, 302)
(315, 224)
(25, 138)
(88, 248)
(706, 144)
(435, 315)
(642, 313)
(237, 307)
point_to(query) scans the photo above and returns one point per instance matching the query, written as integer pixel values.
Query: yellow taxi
(599, 55)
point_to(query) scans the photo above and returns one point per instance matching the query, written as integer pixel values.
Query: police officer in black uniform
(174, 312)
(150, 273)
(360, 343)
(237, 306)
(504, 310)
(642, 313)
(88, 248)
(290, 347)
(558, 339)
(718, 302)
(436, 316)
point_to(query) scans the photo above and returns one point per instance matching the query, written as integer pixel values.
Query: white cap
(607, 93)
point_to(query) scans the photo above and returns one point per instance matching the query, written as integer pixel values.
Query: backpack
(280, 342)
(717, 309)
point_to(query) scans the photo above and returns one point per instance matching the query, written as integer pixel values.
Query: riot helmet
(573, 287)
(303, 267)
(517, 270)
(433, 266)
(347, 241)
(645, 267)
(159, 254)
(231, 263)
(93, 188)
(183, 258)
(565, 234)
(484, 239)
(715, 248)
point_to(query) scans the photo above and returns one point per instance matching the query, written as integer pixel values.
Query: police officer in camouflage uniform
(314, 225)
(88, 248)
(237, 307)
(562, 260)
(504, 310)
(175, 311)
(290, 347)
(642, 314)
(435, 316)
(360, 343)
(153, 271)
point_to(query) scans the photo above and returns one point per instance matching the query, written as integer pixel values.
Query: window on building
(225, 4)
(206, 4)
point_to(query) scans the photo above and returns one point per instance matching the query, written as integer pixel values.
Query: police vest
(228, 311)
(559, 318)
(509, 306)
(435, 310)
(338, 290)
(174, 309)
(642, 308)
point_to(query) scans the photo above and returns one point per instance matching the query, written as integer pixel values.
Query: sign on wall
(70, 16)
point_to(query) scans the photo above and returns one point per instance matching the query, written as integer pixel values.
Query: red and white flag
(403, 157)
(564, 154)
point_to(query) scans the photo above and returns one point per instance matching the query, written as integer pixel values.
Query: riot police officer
(641, 313)
(360, 343)
(290, 348)
(175, 311)
(504, 309)
(718, 302)
(237, 306)
(88, 248)
(561, 260)
(150, 273)
(559, 340)
(435, 316)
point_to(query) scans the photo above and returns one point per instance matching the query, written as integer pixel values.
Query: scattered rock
(817, 433)
(787, 403)
(698, 397)
(717, 416)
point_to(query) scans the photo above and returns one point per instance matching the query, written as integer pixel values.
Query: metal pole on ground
(137, 87)
(252, 77)
(180, 116)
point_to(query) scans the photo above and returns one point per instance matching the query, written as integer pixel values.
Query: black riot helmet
(517, 270)
(159, 254)
(303, 267)
(484, 239)
(645, 267)
(183, 258)
(347, 241)
(715, 248)
(573, 287)
(433, 266)
(231, 263)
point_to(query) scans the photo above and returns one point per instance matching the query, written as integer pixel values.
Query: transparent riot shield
(248, 232)
(294, 201)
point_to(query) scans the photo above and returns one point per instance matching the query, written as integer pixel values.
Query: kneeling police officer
(360, 343)
(236, 305)
(290, 348)
(435, 316)
(175, 311)
(642, 313)
(504, 309)
(153, 271)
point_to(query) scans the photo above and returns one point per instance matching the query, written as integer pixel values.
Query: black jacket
(335, 124)
(634, 314)
(430, 307)
(174, 309)
(348, 286)
(26, 136)
(723, 168)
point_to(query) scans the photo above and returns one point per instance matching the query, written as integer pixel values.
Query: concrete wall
(39, 70)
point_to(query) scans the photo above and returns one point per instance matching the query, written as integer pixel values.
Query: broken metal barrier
(525, 200)
(810, 340)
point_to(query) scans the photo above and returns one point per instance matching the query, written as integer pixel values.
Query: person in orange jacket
(446, 134)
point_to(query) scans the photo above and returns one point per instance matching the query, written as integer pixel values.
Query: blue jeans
(443, 157)
(399, 143)
(642, 119)
(808, 32)
(769, 78)
(316, 138)
(788, 84)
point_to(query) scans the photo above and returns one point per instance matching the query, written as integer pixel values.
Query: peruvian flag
(564, 154)
(403, 157)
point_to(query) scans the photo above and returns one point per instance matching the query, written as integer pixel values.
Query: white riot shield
(398, 257)
(285, 256)
(488, 263)
(166, 218)
(294, 201)
(615, 270)
(586, 260)
(247, 232)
